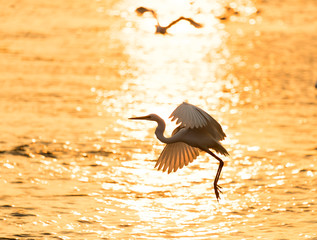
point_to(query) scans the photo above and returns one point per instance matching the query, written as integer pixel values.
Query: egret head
(150, 117)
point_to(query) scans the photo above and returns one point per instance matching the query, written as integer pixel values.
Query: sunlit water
(74, 167)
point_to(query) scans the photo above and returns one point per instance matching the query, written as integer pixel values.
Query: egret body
(197, 130)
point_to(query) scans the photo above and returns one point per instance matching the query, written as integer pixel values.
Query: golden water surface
(72, 166)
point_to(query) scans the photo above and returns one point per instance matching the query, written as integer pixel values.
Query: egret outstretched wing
(176, 155)
(141, 10)
(191, 21)
(190, 116)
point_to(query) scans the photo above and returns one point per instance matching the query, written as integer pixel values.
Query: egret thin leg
(216, 186)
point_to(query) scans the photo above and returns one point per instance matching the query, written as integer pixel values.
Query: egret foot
(217, 191)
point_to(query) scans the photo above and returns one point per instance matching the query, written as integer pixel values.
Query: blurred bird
(197, 130)
(163, 30)
(228, 12)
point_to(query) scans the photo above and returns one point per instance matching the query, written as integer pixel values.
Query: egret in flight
(163, 30)
(197, 130)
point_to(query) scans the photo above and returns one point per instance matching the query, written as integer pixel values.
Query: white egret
(163, 30)
(197, 130)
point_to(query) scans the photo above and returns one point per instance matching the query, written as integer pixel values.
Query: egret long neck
(159, 132)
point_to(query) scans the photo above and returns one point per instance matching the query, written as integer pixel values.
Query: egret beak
(140, 118)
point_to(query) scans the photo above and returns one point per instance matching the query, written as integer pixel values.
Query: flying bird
(163, 30)
(197, 130)
(228, 12)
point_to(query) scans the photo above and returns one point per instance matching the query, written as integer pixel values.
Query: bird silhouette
(163, 30)
(229, 11)
(197, 130)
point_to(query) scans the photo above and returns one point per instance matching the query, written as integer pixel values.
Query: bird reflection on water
(163, 30)
(197, 131)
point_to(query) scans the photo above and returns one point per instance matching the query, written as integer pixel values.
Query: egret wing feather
(213, 126)
(181, 163)
(177, 161)
(190, 116)
(159, 162)
(175, 156)
(172, 159)
(166, 161)
(195, 153)
(201, 120)
(186, 158)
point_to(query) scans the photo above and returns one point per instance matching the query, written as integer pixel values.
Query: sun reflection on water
(193, 65)
(101, 183)
(190, 65)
